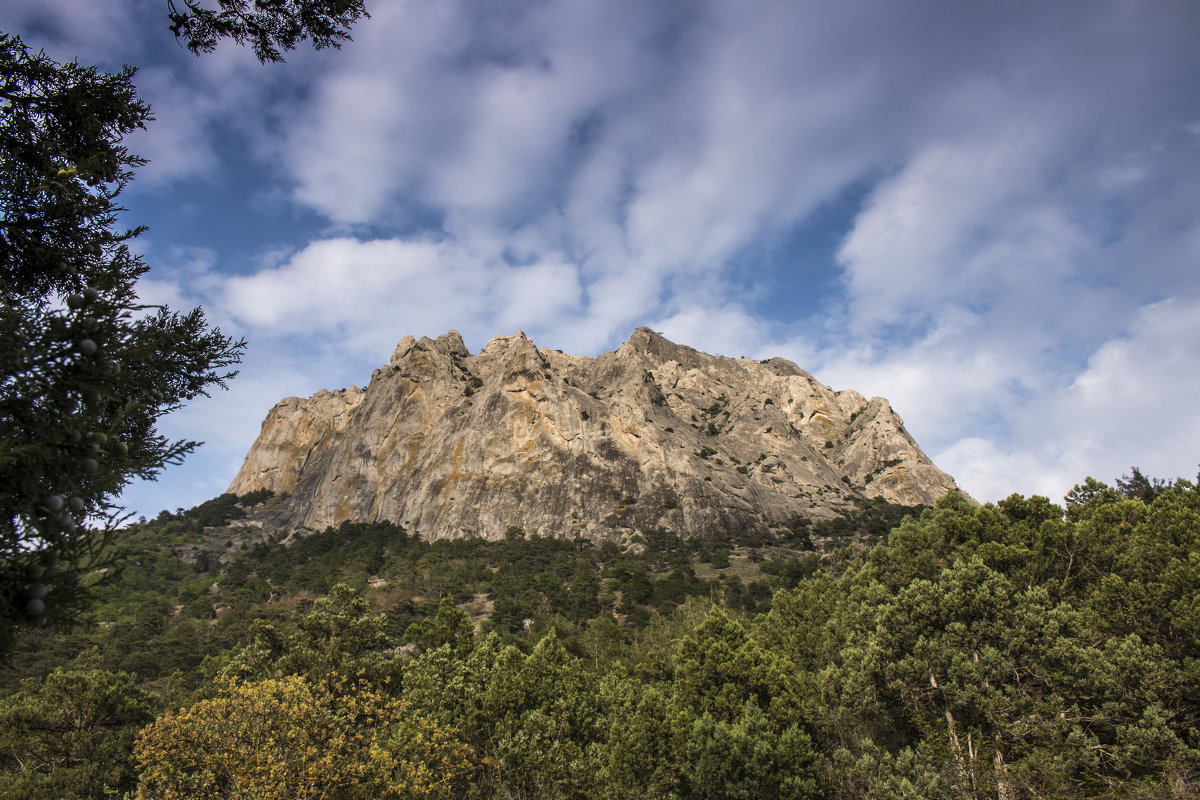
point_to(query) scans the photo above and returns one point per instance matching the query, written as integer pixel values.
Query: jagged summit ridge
(654, 434)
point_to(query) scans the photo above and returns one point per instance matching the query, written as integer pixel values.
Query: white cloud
(980, 271)
(537, 295)
(178, 143)
(511, 142)
(989, 472)
(1132, 405)
(729, 331)
(67, 29)
(194, 275)
(358, 293)
(365, 295)
(1136, 401)
(970, 223)
(350, 158)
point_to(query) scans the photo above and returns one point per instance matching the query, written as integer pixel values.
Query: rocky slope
(652, 435)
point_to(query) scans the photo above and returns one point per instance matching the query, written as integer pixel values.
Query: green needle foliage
(85, 371)
(270, 27)
(71, 735)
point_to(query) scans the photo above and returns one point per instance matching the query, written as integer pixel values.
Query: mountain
(653, 435)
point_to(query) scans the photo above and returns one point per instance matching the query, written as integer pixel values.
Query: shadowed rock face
(652, 435)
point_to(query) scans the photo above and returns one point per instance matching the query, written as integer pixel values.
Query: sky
(988, 213)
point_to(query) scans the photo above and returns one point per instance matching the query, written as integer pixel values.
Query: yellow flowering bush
(292, 739)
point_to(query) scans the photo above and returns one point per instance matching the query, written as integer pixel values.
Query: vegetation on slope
(1012, 650)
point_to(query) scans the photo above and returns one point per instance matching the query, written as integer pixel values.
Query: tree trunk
(956, 748)
(1003, 790)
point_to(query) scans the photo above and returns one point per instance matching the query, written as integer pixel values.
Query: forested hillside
(1015, 650)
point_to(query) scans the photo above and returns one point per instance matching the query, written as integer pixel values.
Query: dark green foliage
(256, 497)
(869, 520)
(449, 627)
(723, 721)
(85, 372)
(797, 568)
(338, 636)
(270, 27)
(220, 510)
(1138, 487)
(1011, 649)
(71, 735)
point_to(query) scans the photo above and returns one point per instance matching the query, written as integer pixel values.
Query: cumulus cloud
(356, 293)
(1132, 405)
(360, 297)
(1136, 398)
(989, 472)
(542, 294)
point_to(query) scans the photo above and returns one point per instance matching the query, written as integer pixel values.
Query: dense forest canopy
(1014, 650)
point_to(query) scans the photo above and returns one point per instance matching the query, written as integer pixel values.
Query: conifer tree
(85, 369)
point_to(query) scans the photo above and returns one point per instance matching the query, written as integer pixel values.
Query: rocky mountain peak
(651, 435)
(653, 348)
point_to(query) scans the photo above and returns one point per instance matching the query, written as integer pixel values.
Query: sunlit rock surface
(654, 434)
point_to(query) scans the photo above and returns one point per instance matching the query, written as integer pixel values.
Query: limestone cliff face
(652, 435)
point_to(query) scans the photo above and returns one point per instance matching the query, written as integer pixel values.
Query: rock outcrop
(652, 435)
